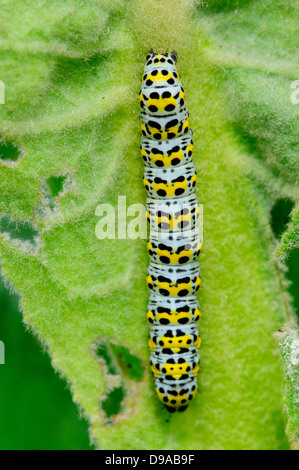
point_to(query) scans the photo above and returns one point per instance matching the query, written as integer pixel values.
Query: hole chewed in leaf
(130, 365)
(22, 234)
(52, 189)
(112, 404)
(280, 215)
(124, 372)
(56, 184)
(292, 263)
(10, 152)
(221, 6)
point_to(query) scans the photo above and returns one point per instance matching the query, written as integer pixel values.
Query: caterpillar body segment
(162, 101)
(178, 248)
(176, 395)
(165, 127)
(173, 215)
(166, 311)
(178, 367)
(174, 340)
(167, 183)
(159, 77)
(174, 281)
(167, 153)
(174, 243)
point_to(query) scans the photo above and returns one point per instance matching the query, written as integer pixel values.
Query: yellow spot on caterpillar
(169, 187)
(173, 256)
(176, 342)
(150, 317)
(149, 282)
(189, 148)
(167, 159)
(186, 124)
(143, 153)
(198, 282)
(175, 221)
(160, 395)
(152, 345)
(173, 317)
(194, 178)
(161, 103)
(176, 370)
(173, 288)
(159, 77)
(155, 370)
(197, 313)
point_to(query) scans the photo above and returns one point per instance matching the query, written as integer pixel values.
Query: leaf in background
(72, 74)
(254, 53)
(290, 239)
(35, 398)
(288, 342)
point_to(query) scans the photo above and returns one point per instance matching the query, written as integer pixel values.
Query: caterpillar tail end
(176, 397)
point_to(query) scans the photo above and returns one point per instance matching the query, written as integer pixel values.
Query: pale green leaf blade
(78, 118)
(288, 342)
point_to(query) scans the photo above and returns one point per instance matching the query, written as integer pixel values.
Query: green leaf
(288, 341)
(35, 398)
(72, 75)
(290, 239)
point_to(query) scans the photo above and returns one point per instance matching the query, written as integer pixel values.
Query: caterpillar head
(161, 59)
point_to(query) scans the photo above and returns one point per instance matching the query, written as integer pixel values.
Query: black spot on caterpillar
(174, 243)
